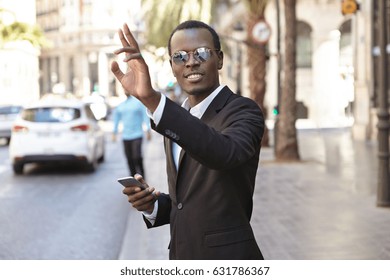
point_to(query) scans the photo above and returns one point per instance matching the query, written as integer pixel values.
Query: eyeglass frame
(182, 62)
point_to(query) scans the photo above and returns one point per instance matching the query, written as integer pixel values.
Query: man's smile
(194, 77)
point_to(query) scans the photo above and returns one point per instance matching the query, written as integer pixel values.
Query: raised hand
(136, 80)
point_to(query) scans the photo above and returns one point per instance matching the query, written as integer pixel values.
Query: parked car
(98, 105)
(8, 114)
(56, 130)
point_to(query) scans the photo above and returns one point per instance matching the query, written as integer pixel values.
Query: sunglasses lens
(180, 57)
(202, 54)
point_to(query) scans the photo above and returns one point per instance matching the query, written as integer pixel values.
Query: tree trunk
(257, 58)
(286, 133)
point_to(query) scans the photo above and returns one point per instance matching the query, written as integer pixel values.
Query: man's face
(196, 78)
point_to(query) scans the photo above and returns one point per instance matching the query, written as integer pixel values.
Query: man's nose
(191, 59)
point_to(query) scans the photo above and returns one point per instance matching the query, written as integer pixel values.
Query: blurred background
(66, 47)
(315, 65)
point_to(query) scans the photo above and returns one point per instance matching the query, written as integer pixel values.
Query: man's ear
(220, 60)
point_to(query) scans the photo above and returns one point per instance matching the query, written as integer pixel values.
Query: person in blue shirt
(132, 114)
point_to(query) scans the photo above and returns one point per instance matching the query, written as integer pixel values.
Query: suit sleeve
(163, 214)
(225, 141)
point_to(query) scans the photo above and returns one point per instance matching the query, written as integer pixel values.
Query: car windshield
(51, 114)
(8, 110)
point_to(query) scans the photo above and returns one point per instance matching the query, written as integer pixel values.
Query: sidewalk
(323, 207)
(139, 242)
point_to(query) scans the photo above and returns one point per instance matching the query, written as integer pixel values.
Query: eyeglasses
(201, 54)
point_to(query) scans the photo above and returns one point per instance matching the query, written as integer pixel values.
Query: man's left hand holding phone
(140, 195)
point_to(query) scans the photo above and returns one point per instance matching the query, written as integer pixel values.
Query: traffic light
(275, 110)
(349, 7)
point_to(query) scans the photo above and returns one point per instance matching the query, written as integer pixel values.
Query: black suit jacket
(209, 205)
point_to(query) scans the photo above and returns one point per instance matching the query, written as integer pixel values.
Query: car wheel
(18, 168)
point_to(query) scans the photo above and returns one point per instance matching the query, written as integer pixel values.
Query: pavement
(320, 208)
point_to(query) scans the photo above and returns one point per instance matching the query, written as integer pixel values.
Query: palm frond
(19, 31)
(162, 16)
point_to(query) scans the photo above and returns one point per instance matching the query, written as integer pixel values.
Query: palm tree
(286, 133)
(162, 16)
(257, 59)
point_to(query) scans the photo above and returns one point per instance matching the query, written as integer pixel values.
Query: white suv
(56, 130)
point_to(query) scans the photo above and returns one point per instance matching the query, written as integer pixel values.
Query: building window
(304, 45)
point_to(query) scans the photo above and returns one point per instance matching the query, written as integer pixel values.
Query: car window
(7, 110)
(51, 114)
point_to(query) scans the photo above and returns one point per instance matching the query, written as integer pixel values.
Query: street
(61, 212)
(322, 207)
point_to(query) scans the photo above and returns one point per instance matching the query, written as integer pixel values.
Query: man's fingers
(139, 178)
(123, 39)
(132, 56)
(129, 36)
(130, 52)
(142, 207)
(156, 194)
(116, 70)
(127, 50)
(137, 193)
(142, 198)
(126, 37)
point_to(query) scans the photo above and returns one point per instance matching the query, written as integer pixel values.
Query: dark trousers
(133, 152)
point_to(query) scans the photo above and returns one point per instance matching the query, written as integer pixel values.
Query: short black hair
(190, 24)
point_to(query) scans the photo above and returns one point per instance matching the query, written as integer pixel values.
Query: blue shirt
(132, 114)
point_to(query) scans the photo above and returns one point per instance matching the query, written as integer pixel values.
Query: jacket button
(180, 206)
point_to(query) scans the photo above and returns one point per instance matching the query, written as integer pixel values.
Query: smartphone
(130, 181)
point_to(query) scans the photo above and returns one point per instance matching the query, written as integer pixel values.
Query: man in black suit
(212, 145)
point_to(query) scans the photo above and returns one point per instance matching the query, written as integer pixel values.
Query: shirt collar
(200, 108)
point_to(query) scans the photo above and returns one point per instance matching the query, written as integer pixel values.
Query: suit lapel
(171, 168)
(216, 105)
(169, 154)
(182, 153)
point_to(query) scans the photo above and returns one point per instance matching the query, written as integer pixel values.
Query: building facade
(336, 71)
(336, 74)
(83, 34)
